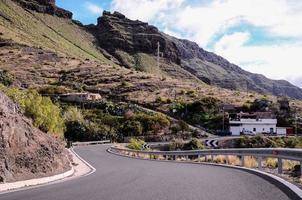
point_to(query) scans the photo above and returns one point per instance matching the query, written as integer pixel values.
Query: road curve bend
(121, 178)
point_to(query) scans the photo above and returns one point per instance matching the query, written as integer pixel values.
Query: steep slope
(44, 29)
(25, 151)
(132, 42)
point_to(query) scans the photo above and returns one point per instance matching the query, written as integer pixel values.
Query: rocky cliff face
(45, 6)
(26, 152)
(126, 39)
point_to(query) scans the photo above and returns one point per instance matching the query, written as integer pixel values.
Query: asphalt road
(120, 178)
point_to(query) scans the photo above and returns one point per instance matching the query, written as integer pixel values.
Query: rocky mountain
(116, 40)
(129, 42)
(45, 6)
(25, 151)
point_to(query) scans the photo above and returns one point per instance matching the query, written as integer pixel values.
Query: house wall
(281, 131)
(252, 126)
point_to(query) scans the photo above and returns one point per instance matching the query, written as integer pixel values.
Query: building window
(271, 130)
(254, 129)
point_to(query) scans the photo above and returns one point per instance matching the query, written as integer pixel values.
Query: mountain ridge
(115, 32)
(129, 43)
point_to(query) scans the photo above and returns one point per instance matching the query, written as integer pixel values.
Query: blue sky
(261, 36)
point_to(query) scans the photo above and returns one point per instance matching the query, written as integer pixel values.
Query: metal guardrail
(90, 143)
(259, 153)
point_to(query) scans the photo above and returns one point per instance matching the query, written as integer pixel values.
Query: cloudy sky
(261, 36)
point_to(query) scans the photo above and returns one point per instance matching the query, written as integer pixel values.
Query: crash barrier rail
(90, 143)
(259, 153)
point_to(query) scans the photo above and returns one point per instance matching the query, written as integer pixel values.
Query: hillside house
(80, 97)
(252, 124)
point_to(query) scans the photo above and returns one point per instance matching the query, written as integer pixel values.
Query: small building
(80, 97)
(285, 131)
(252, 124)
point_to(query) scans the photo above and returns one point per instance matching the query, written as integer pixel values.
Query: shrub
(6, 78)
(176, 144)
(175, 129)
(45, 114)
(73, 114)
(271, 163)
(194, 144)
(126, 84)
(192, 93)
(135, 144)
(53, 90)
(132, 128)
(183, 126)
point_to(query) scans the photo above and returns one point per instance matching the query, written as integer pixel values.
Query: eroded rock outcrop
(125, 39)
(45, 6)
(25, 151)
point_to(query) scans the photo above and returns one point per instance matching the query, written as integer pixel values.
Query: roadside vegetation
(204, 112)
(45, 114)
(136, 144)
(260, 141)
(193, 144)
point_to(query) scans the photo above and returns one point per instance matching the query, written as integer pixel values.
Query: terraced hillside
(60, 35)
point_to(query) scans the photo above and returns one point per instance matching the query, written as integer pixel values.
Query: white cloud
(93, 8)
(146, 10)
(275, 61)
(203, 22)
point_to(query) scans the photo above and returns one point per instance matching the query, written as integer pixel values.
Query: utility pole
(158, 52)
(223, 119)
(296, 122)
(247, 88)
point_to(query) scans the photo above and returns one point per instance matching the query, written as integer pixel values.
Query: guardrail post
(242, 161)
(260, 163)
(198, 159)
(300, 168)
(280, 166)
(212, 158)
(187, 157)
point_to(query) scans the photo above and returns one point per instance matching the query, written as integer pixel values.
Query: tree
(132, 128)
(194, 144)
(73, 114)
(183, 126)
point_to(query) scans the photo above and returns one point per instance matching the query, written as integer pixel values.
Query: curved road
(121, 178)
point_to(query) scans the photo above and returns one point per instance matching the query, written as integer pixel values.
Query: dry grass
(250, 162)
(271, 163)
(234, 160)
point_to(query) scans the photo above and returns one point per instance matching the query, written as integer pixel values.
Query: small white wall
(235, 130)
(281, 131)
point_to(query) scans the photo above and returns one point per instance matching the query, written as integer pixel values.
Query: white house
(253, 124)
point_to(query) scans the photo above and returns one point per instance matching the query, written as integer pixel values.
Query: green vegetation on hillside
(46, 31)
(45, 114)
(204, 112)
(193, 144)
(112, 122)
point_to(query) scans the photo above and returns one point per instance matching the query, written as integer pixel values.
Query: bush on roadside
(176, 144)
(194, 144)
(136, 144)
